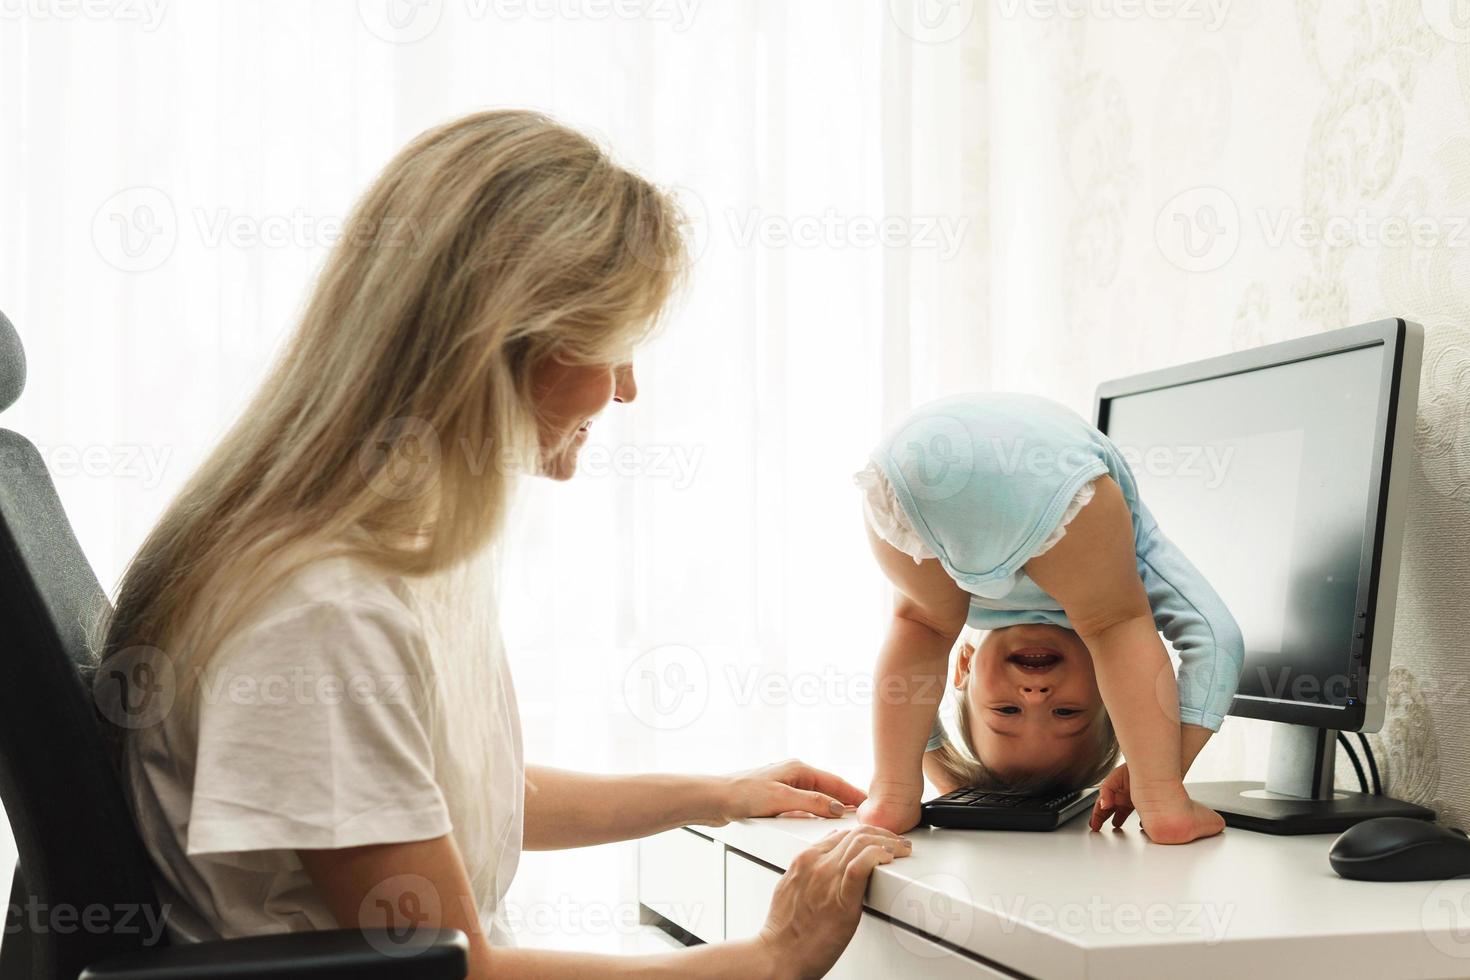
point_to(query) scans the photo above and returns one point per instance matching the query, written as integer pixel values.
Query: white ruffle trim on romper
(885, 514)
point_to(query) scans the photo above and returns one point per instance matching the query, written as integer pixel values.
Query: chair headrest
(12, 364)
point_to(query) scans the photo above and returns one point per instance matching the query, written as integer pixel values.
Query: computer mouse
(1400, 849)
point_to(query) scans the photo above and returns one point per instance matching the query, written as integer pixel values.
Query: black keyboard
(978, 809)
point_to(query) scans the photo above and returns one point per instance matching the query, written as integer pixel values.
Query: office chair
(83, 886)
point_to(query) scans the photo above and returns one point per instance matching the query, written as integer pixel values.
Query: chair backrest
(83, 887)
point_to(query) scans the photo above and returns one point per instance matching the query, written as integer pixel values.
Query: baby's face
(1033, 698)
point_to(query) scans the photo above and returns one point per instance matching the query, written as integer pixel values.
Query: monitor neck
(1301, 761)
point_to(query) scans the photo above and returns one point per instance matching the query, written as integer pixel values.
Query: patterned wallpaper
(1171, 187)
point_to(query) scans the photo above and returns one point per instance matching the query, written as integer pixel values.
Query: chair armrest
(334, 954)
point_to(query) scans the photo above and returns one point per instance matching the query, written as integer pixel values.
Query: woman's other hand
(786, 787)
(819, 899)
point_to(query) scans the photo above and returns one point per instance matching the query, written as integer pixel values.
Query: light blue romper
(986, 478)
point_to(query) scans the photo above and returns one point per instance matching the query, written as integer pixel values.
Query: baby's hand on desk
(1113, 799)
(897, 813)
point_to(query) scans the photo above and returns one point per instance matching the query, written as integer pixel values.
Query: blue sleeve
(1196, 622)
(936, 736)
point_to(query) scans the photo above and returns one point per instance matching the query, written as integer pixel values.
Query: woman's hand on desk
(786, 787)
(819, 899)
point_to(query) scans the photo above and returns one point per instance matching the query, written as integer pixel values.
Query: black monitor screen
(1263, 478)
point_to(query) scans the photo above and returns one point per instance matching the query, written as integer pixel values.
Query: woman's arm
(1093, 573)
(928, 613)
(409, 886)
(576, 809)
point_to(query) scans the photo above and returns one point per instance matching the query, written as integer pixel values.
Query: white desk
(1074, 904)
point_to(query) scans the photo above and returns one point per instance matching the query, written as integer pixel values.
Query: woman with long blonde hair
(326, 732)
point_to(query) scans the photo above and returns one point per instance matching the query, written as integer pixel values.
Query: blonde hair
(961, 762)
(485, 247)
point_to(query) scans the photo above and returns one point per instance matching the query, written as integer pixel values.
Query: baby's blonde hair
(961, 761)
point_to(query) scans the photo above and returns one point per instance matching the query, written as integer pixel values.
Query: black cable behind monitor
(1357, 766)
(1372, 764)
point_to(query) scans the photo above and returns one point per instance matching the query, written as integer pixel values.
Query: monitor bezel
(1378, 564)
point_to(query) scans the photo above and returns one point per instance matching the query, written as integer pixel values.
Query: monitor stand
(1297, 797)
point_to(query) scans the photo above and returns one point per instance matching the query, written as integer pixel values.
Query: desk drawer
(681, 876)
(878, 948)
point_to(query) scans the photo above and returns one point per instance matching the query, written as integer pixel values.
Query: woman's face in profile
(1033, 697)
(568, 398)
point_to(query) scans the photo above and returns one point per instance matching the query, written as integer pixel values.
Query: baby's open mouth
(1035, 660)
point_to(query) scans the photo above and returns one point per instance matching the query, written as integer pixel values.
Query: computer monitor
(1281, 472)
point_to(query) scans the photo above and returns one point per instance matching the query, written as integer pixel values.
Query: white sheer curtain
(171, 176)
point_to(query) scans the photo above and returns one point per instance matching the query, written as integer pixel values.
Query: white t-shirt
(321, 725)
